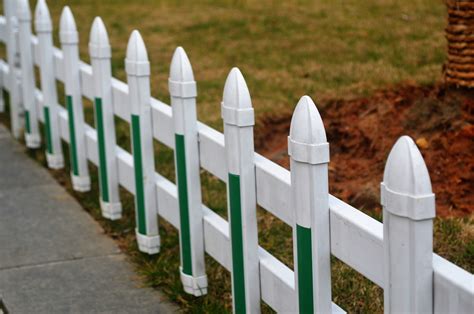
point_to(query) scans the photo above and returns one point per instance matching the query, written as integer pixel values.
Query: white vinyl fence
(396, 255)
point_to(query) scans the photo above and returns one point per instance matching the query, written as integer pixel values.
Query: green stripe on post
(137, 159)
(72, 136)
(237, 243)
(305, 269)
(27, 122)
(47, 129)
(185, 231)
(104, 187)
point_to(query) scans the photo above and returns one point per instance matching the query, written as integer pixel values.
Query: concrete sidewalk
(54, 258)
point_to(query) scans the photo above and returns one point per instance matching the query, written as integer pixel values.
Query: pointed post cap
(99, 46)
(181, 70)
(67, 28)
(307, 141)
(406, 187)
(306, 123)
(136, 62)
(43, 22)
(181, 81)
(23, 11)
(237, 105)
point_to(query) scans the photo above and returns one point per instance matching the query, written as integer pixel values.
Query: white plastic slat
(35, 47)
(273, 188)
(58, 64)
(216, 236)
(212, 151)
(356, 239)
(120, 99)
(453, 287)
(162, 122)
(87, 82)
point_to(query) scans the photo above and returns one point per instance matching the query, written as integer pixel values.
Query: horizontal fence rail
(355, 238)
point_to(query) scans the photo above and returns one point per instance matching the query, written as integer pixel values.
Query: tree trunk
(459, 66)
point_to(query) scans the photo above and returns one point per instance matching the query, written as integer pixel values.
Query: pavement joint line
(59, 262)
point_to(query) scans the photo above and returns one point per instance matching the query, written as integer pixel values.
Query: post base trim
(81, 184)
(112, 211)
(196, 286)
(32, 140)
(55, 161)
(148, 244)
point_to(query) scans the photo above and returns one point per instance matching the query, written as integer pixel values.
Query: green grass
(285, 49)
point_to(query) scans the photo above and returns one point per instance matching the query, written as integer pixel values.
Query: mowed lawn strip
(285, 49)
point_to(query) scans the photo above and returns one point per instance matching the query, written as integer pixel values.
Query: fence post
(238, 116)
(44, 28)
(32, 136)
(2, 88)
(100, 52)
(183, 93)
(408, 212)
(69, 42)
(137, 67)
(16, 109)
(309, 158)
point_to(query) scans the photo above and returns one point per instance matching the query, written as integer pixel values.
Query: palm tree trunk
(459, 67)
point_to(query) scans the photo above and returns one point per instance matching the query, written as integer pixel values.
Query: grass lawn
(326, 49)
(285, 49)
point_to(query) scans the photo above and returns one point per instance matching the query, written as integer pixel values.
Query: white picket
(16, 106)
(44, 28)
(238, 116)
(183, 93)
(309, 152)
(100, 52)
(69, 39)
(2, 78)
(2, 88)
(408, 212)
(32, 136)
(137, 67)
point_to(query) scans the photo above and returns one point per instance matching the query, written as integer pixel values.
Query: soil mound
(361, 133)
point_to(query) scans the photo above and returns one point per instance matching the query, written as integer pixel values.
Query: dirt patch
(362, 131)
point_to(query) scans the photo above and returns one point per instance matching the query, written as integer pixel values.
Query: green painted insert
(139, 190)
(47, 129)
(305, 269)
(99, 120)
(185, 230)
(27, 121)
(237, 244)
(72, 136)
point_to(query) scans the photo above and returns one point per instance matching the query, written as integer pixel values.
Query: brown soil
(362, 131)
